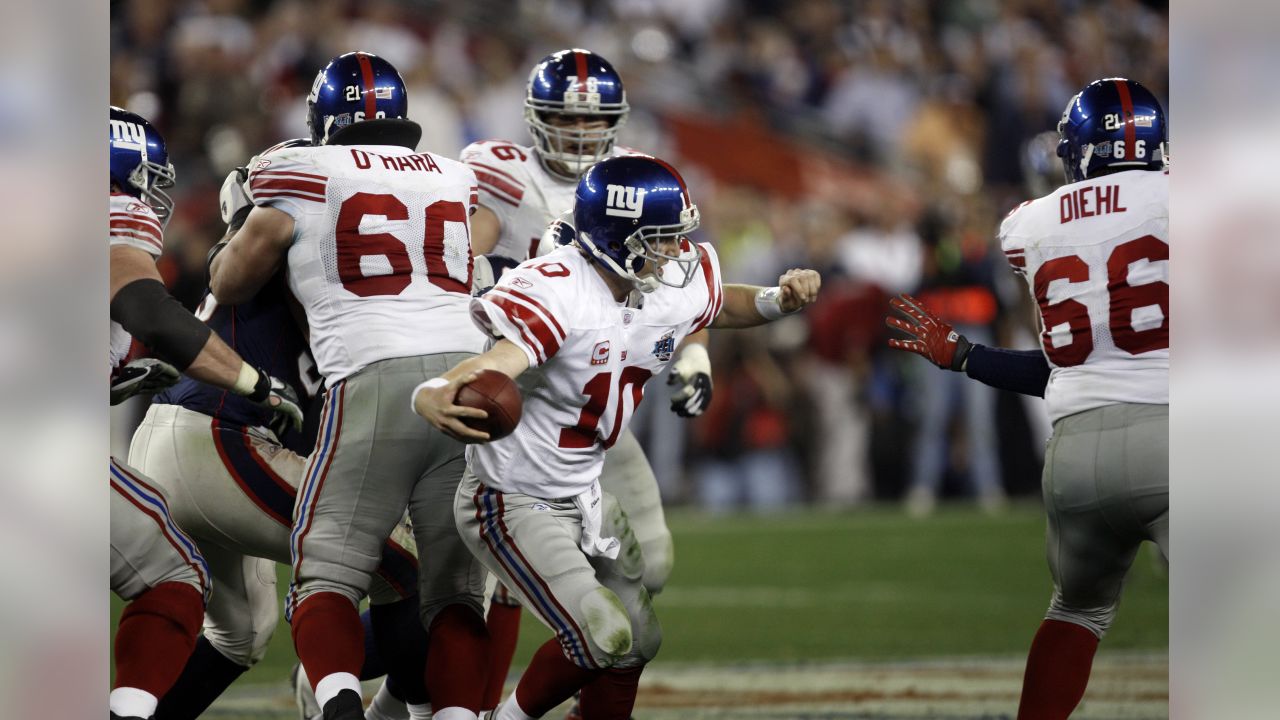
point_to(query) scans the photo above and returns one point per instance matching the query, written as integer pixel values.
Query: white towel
(591, 506)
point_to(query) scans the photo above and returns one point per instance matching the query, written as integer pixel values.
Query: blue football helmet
(140, 162)
(576, 83)
(1113, 123)
(352, 88)
(634, 211)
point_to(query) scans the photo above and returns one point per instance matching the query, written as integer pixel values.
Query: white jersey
(520, 192)
(135, 224)
(589, 358)
(1095, 255)
(381, 256)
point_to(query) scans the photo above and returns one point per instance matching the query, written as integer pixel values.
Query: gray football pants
(597, 607)
(628, 476)
(373, 458)
(1106, 489)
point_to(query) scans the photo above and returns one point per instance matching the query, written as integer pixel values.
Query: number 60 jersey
(381, 258)
(1095, 254)
(589, 358)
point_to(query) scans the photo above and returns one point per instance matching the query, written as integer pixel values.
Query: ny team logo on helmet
(577, 83)
(140, 162)
(352, 88)
(636, 208)
(1113, 123)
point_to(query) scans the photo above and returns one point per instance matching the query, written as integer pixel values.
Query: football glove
(276, 395)
(932, 338)
(487, 270)
(692, 371)
(145, 376)
(234, 194)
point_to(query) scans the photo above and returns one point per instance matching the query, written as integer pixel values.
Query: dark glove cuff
(261, 390)
(963, 346)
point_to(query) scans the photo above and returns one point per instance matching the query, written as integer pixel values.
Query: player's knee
(1096, 620)
(659, 558)
(607, 627)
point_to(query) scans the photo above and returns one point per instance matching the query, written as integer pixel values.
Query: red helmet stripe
(583, 73)
(684, 189)
(1126, 106)
(370, 97)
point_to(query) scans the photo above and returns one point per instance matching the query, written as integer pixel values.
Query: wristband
(432, 384)
(246, 381)
(769, 303)
(693, 359)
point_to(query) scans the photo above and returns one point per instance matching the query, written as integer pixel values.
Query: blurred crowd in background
(878, 141)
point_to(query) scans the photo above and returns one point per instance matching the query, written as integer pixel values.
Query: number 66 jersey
(381, 257)
(1095, 254)
(589, 358)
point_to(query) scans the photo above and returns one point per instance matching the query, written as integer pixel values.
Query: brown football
(496, 394)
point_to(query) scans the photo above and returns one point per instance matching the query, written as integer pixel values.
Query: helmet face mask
(352, 88)
(1112, 124)
(140, 164)
(633, 215)
(563, 88)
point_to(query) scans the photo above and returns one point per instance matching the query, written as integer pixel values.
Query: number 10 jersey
(1095, 255)
(381, 257)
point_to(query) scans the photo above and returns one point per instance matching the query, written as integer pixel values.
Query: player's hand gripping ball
(496, 394)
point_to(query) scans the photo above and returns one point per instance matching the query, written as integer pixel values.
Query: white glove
(692, 370)
(559, 232)
(234, 194)
(487, 270)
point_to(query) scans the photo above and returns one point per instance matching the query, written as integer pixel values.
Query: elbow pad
(158, 320)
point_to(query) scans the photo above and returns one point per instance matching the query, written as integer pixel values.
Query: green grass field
(871, 586)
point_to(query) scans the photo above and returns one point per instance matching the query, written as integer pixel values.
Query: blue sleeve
(1022, 371)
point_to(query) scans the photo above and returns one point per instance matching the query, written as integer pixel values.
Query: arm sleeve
(1022, 371)
(709, 274)
(158, 320)
(135, 224)
(286, 184)
(498, 187)
(523, 311)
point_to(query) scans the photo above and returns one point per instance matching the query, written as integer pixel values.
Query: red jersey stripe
(497, 171)
(539, 306)
(304, 186)
(288, 173)
(524, 317)
(137, 217)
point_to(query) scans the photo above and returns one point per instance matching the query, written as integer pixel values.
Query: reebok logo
(624, 201)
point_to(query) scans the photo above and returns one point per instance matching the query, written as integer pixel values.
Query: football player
(376, 240)
(154, 564)
(1095, 256)
(589, 323)
(574, 106)
(232, 481)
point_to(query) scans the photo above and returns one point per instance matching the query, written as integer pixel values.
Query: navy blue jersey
(264, 332)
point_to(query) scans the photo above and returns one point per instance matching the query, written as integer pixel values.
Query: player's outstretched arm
(248, 260)
(1021, 371)
(142, 305)
(751, 305)
(434, 399)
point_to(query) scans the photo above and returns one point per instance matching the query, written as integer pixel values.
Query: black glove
(694, 398)
(145, 376)
(276, 395)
